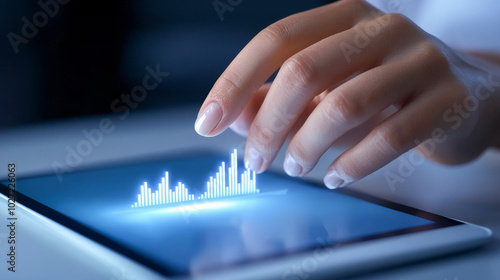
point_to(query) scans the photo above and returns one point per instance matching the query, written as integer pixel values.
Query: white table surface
(47, 250)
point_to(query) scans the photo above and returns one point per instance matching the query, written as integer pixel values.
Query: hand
(346, 66)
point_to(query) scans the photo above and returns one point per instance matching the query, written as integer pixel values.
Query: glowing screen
(218, 216)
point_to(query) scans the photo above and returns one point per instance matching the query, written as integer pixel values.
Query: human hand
(347, 65)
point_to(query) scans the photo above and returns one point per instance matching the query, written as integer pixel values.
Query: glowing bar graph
(223, 184)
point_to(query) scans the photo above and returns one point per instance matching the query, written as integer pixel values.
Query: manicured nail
(333, 180)
(208, 120)
(253, 160)
(292, 168)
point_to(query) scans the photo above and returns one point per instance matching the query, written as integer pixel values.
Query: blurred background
(68, 58)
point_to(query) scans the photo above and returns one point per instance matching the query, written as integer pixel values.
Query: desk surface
(46, 250)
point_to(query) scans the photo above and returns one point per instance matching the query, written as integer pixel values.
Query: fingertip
(291, 166)
(334, 180)
(253, 160)
(208, 120)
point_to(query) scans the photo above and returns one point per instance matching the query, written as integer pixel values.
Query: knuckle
(298, 71)
(398, 20)
(340, 108)
(278, 33)
(300, 152)
(430, 53)
(351, 168)
(263, 135)
(360, 5)
(392, 138)
(229, 81)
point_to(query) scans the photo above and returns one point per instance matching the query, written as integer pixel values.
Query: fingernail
(292, 168)
(208, 120)
(253, 160)
(333, 180)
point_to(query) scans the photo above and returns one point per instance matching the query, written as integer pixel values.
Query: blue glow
(216, 187)
(287, 216)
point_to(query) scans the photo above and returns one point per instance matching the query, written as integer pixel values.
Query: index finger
(265, 53)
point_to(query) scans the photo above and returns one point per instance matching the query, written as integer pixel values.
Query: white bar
(159, 194)
(149, 196)
(156, 197)
(247, 186)
(250, 182)
(135, 204)
(224, 175)
(219, 185)
(166, 183)
(217, 192)
(254, 182)
(242, 183)
(230, 173)
(139, 199)
(247, 182)
(235, 177)
(176, 194)
(221, 193)
(162, 190)
(210, 189)
(143, 193)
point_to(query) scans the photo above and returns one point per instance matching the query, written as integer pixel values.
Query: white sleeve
(461, 24)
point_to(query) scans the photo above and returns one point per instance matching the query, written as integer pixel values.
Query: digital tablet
(204, 216)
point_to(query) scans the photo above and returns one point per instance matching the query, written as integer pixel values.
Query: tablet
(205, 216)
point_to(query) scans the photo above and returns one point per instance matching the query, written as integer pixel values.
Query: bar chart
(224, 183)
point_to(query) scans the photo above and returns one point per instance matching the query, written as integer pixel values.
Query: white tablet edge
(363, 256)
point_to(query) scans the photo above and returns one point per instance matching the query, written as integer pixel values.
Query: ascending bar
(254, 182)
(217, 186)
(149, 193)
(143, 194)
(224, 175)
(230, 179)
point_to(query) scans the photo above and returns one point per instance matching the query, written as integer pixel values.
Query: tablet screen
(192, 214)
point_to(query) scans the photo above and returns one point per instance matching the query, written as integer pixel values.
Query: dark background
(90, 52)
